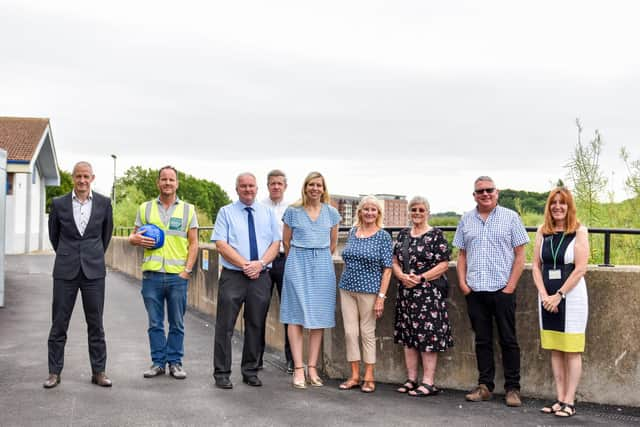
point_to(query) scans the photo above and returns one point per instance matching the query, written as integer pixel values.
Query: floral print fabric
(422, 321)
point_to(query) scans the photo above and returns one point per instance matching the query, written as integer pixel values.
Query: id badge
(555, 274)
(175, 224)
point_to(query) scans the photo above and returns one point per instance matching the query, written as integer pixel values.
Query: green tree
(207, 196)
(633, 169)
(124, 214)
(66, 185)
(521, 201)
(586, 175)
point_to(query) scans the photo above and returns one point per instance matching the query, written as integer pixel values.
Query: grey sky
(406, 97)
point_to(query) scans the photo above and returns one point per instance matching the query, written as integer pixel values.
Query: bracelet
(381, 295)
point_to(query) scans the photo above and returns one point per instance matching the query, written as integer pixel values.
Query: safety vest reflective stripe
(175, 233)
(165, 260)
(185, 219)
(147, 213)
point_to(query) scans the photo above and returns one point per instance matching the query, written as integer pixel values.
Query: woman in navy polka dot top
(363, 288)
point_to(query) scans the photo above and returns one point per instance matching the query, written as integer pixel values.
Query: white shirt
(81, 211)
(278, 209)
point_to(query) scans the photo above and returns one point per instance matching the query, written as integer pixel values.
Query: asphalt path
(164, 401)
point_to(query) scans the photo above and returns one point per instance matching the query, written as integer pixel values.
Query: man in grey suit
(80, 228)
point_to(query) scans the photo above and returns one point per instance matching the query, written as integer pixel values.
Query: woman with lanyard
(559, 264)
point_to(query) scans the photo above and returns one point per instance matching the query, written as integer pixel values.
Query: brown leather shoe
(479, 394)
(101, 379)
(52, 381)
(513, 398)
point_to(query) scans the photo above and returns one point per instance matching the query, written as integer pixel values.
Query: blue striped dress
(309, 283)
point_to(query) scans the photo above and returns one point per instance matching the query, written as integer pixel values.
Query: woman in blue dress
(309, 235)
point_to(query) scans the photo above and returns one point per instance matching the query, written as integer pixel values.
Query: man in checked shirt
(492, 242)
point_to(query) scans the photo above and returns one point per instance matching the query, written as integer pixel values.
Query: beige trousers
(359, 322)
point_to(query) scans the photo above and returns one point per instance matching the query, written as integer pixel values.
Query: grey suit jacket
(73, 250)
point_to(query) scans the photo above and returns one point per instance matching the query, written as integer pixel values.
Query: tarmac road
(164, 401)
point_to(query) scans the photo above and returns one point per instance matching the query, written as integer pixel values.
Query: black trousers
(483, 307)
(235, 289)
(276, 273)
(64, 298)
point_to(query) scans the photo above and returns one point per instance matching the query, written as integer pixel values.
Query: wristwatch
(381, 295)
(562, 294)
(189, 271)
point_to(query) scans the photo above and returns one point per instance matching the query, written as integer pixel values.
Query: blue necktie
(253, 244)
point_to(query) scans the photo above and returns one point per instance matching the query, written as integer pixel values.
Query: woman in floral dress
(422, 321)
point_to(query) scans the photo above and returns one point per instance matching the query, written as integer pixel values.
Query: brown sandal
(368, 386)
(349, 384)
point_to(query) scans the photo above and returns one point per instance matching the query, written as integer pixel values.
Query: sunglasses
(421, 210)
(485, 190)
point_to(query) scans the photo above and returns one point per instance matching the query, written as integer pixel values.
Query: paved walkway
(164, 401)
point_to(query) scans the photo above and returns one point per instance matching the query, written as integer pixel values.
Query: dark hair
(168, 167)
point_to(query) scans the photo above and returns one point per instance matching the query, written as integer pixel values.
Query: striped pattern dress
(309, 283)
(564, 330)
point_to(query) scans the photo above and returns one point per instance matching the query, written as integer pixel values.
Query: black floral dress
(422, 321)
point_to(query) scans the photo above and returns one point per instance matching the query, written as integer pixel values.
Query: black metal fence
(204, 234)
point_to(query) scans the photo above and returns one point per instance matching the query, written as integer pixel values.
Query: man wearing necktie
(247, 237)
(80, 228)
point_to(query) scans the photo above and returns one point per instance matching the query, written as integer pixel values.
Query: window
(10, 178)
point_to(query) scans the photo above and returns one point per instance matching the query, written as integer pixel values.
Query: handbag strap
(405, 251)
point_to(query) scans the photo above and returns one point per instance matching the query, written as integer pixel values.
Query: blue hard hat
(155, 232)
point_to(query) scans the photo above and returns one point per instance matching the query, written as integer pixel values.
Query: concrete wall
(611, 368)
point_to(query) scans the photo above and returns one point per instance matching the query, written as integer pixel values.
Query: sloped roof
(20, 136)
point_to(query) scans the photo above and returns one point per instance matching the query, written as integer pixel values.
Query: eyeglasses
(485, 190)
(421, 210)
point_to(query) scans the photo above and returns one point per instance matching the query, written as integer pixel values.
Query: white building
(31, 165)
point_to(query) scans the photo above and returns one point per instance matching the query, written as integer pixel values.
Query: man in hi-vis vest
(166, 271)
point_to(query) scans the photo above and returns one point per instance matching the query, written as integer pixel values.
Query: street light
(114, 157)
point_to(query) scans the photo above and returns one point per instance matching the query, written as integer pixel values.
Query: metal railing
(606, 232)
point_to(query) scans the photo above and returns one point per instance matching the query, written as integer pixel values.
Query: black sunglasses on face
(485, 190)
(418, 210)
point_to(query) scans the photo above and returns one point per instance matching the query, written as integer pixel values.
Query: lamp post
(114, 157)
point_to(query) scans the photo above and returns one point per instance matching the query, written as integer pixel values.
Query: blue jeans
(156, 288)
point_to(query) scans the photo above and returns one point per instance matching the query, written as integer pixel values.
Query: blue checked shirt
(489, 246)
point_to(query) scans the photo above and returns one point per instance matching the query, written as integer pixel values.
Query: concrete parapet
(611, 368)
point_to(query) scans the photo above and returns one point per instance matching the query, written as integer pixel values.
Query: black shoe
(224, 383)
(290, 367)
(252, 381)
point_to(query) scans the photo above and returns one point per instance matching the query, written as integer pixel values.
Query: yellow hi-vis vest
(172, 256)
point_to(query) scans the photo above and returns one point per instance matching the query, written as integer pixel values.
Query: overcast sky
(402, 97)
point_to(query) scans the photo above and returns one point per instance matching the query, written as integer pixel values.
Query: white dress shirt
(81, 211)
(278, 209)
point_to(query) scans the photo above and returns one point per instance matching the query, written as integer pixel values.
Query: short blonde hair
(370, 200)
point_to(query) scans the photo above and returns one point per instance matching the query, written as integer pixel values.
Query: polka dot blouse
(364, 260)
